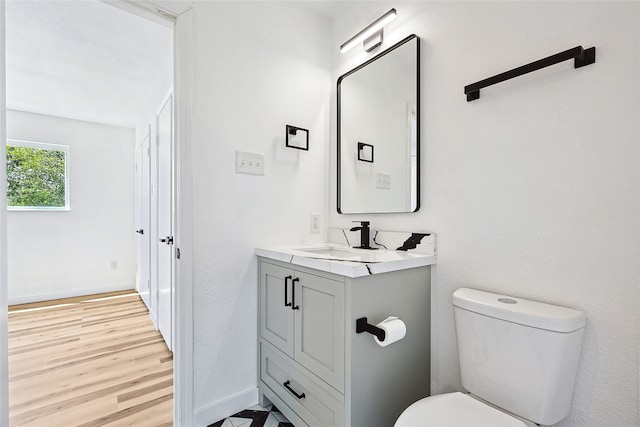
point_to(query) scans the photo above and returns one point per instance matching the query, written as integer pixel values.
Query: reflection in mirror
(378, 111)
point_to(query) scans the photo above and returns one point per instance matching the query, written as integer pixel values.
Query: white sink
(344, 260)
(341, 252)
(344, 253)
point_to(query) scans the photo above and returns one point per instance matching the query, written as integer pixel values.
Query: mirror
(379, 133)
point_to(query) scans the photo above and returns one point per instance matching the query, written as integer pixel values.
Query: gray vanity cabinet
(312, 364)
(303, 315)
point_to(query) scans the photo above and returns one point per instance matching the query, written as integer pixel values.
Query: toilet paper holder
(363, 326)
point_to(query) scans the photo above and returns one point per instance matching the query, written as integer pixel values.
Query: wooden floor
(89, 361)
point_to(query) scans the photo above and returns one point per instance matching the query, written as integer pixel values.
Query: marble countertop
(346, 261)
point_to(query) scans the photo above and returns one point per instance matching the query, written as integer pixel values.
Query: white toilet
(518, 360)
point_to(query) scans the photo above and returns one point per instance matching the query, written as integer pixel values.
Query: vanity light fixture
(371, 36)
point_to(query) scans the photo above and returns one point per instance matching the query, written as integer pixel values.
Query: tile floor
(256, 416)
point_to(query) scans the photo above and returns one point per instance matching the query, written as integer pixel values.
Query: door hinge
(177, 253)
(166, 14)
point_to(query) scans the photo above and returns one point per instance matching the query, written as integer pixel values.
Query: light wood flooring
(89, 361)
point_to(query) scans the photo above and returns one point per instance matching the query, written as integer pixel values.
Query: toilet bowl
(518, 361)
(456, 410)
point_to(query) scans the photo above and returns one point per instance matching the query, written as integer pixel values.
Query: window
(37, 176)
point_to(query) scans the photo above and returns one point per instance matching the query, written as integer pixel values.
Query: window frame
(44, 146)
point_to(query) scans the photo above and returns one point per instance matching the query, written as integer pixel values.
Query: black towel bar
(580, 56)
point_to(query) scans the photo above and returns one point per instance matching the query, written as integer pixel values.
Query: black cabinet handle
(286, 297)
(288, 387)
(293, 294)
(141, 231)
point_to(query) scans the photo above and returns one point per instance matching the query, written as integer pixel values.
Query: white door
(143, 225)
(165, 221)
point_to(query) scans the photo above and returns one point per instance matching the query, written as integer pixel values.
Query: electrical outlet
(315, 223)
(114, 264)
(383, 180)
(249, 163)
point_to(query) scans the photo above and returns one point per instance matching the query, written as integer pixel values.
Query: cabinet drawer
(299, 390)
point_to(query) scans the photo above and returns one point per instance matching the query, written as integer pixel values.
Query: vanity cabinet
(302, 315)
(312, 364)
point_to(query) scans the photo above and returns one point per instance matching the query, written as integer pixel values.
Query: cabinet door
(319, 331)
(276, 317)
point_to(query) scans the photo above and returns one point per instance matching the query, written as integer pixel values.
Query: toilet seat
(454, 410)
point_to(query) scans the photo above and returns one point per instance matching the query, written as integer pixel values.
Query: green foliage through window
(36, 177)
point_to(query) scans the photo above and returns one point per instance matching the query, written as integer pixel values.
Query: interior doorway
(3, 296)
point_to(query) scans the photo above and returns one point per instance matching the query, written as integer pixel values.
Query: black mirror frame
(380, 55)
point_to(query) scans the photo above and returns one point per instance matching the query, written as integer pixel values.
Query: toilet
(518, 361)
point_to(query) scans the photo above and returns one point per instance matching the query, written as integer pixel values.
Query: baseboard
(145, 297)
(153, 316)
(70, 293)
(216, 411)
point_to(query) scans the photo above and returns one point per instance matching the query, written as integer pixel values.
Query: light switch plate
(249, 163)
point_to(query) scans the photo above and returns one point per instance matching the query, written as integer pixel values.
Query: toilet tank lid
(518, 310)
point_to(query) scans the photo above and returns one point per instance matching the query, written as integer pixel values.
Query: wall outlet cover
(314, 226)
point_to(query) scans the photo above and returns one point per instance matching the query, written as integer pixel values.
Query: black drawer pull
(293, 294)
(286, 297)
(286, 385)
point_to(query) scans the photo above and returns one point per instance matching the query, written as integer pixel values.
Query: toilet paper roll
(394, 329)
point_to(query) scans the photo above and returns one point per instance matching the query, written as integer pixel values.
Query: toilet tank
(517, 354)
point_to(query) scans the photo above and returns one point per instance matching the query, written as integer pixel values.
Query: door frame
(183, 24)
(4, 339)
(143, 197)
(184, 62)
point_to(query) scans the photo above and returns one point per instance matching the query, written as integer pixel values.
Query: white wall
(259, 66)
(67, 253)
(533, 190)
(162, 83)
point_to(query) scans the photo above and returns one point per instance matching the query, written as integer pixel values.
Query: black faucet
(364, 235)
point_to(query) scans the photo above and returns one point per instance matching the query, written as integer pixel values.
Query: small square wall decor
(365, 152)
(297, 138)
